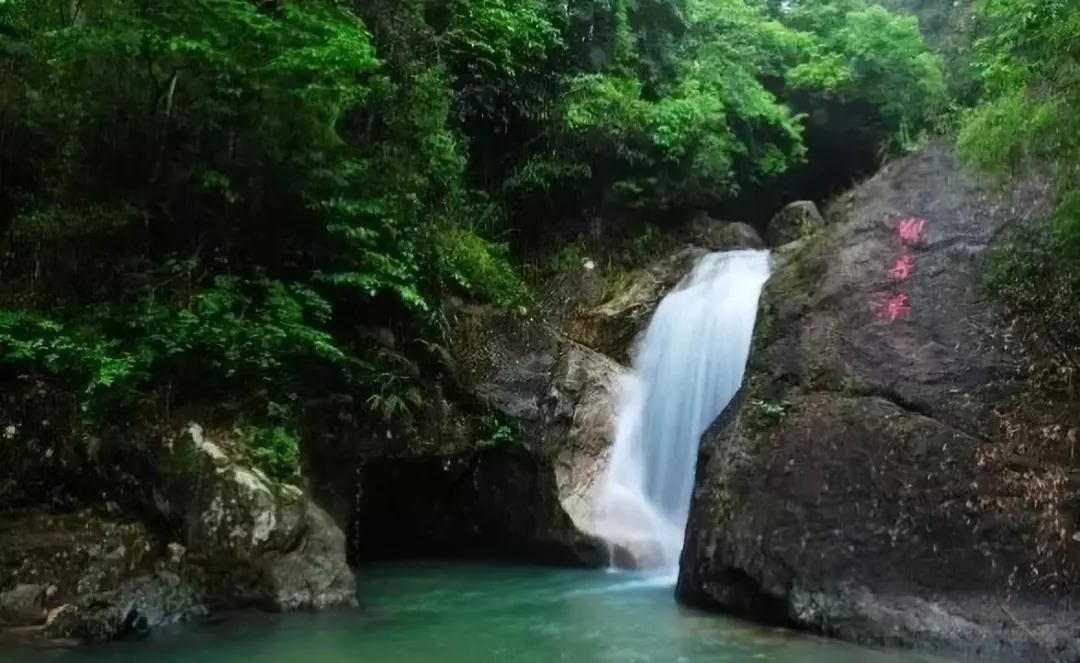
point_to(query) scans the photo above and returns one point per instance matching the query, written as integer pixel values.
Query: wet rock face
(854, 487)
(136, 606)
(609, 316)
(528, 492)
(714, 235)
(614, 326)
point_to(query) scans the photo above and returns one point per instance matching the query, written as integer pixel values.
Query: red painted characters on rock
(901, 267)
(909, 229)
(896, 305)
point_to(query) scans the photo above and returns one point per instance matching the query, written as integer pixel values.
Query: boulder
(714, 235)
(137, 606)
(219, 532)
(23, 605)
(312, 575)
(795, 221)
(253, 539)
(868, 483)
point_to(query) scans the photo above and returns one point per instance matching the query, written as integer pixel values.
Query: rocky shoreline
(224, 536)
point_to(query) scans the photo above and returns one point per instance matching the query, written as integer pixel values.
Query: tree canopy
(1027, 60)
(233, 204)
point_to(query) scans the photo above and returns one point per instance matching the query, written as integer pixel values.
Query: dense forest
(237, 209)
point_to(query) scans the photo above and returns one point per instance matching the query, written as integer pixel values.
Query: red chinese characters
(901, 267)
(896, 305)
(910, 229)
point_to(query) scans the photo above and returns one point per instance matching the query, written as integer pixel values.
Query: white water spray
(687, 369)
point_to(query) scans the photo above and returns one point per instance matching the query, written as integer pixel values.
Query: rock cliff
(868, 482)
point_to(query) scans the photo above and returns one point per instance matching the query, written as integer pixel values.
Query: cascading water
(687, 369)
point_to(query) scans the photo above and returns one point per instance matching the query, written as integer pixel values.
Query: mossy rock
(796, 221)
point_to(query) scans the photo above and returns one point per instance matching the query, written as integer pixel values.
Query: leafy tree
(864, 55)
(196, 189)
(1027, 63)
(241, 207)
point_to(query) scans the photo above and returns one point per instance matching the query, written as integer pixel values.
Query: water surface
(480, 614)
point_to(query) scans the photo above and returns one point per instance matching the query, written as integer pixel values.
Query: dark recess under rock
(498, 503)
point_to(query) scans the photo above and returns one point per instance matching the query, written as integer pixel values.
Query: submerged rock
(859, 485)
(91, 576)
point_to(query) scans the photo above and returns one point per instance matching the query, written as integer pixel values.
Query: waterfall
(687, 369)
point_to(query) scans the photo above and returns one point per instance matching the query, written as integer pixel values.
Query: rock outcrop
(220, 533)
(614, 326)
(90, 576)
(713, 235)
(264, 541)
(511, 477)
(23, 605)
(867, 482)
(609, 312)
(133, 607)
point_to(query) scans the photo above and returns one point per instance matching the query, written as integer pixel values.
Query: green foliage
(1027, 64)
(694, 114)
(205, 197)
(699, 133)
(763, 414)
(498, 431)
(863, 54)
(393, 391)
(275, 450)
(249, 334)
(1028, 67)
(472, 263)
(571, 256)
(211, 204)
